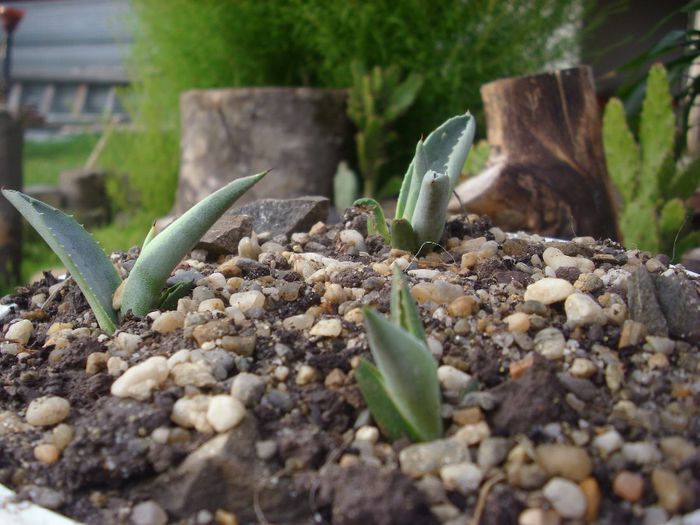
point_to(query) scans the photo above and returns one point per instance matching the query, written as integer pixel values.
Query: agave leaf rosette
(426, 187)
(95, 274)
(164, 251)
(402, 391)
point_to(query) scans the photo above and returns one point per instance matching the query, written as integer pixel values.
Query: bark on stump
(546, 171)
(300, 133)
(11, 141)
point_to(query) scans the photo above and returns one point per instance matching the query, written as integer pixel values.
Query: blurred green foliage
(455, 45)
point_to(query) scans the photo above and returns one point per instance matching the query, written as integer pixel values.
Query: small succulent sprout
(402, 390)
(95, 274)
(426, 188)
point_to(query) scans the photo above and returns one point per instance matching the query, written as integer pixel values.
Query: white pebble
(20, 331)
(248, 388)
(549, 290)
(463, 477)
(452, 379)
(550, 343)
(225, 412)
(641, 453)
(555, 258)
(354, 238)
(367, 433)
(189, 412)
(298, 322)
(168, 322)
(47, 411)
(139, 381)
(148, 513)
(566, 497)
(244, 301)
(608, 442)
(582, 309)
(327, 328)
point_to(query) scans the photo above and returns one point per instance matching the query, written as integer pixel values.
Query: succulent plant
(109, 297)
(426, 188)
(651, 184)
(402, 390)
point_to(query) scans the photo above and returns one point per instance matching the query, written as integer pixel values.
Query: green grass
(45, 159)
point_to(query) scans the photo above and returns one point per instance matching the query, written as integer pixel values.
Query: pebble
(191, 412)
(473, 434)
(127, 342)
(245, 301)
(265, 449)
(677, 449)
(20, 331)
(198, 374)
(168, 322)
(306, 375)
(582, 309)
(438, 292)
(668, 488)
(211, 305)
(298, 322)
(661, 345)
(46, 453)
(591, 491)
(249, 248)
(549, 290)
(353, 238)
(492, 452)
(463, 477)
(420, 459)
(225, 412)
(583, 368)
(633, 333)
(116, 365)
(47, 411)
(566, 497)
(641, 453)
(517, 322)
(327, 328)
(61, 436)
(140, 380)
(608, 442)
(539, 517)
(452, 379)
(96, 362)
(555, 258)
(566, 461)
(550, 343)
(45, 497)
(462, 306)
(248, 388)
(148, 513)
(628, 486)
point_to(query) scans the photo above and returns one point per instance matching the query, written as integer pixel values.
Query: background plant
(651, 182)
(455, 45)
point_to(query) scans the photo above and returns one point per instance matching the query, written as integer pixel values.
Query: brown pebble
(467, 416)
(518, 368)
(463, 306)
(335, 379)
(96, 363)
(668, 488)
(46, 453)
(591, 491)
(223, 517)
(629, 486)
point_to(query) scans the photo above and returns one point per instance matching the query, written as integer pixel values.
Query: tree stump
(300, 133)
(11, 141)
(546, 171)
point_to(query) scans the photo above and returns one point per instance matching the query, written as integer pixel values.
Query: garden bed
(584, 412)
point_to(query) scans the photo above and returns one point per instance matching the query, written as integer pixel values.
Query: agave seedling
(96, 275)
(402, 391)
(426, 188)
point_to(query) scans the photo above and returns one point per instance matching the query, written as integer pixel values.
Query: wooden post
(11, 178)
(546, 172)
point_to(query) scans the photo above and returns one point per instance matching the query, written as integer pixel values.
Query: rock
(46, 453)
(244, 301)
(362, 495)
(463, 477)
(225, 412)
(248, 388)
(549, 343)
(427, 458)
(452, 379)
(327, 328)
(608, 442)
(643, 304)
(168, 322)
(462, 306)
(140, 380)
(582, 309)
(518, 322)
(20, 331)
(148, 513)
(549, 290)
(47, 411)
(223, 237)
(641, 453)
(492, 451)
(591, 491)
(229, 463)
(439, 292)
(566, 497)
(566, 461)
(628, 486)
(285, 216)
(554, 258)
(668, 488)
(191, 412)
(680, 303)
(43, 496)
(538, 517)
(298, 322)
(583, 368)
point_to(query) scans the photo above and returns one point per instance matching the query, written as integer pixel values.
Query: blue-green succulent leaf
(150, 235)
(160, 256)
(402, 236)
(431, 209)
(448, 145)
(380, 404)
(79, 252)
(420, 165)
(409, 373)
(404, 311)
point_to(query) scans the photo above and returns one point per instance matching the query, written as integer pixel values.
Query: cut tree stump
(300, 133)
(546, 171)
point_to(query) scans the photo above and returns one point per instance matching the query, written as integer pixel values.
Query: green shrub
(455, 45)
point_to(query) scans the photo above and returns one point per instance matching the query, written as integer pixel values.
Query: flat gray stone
(285, 216)
(643, 304)
(224, 235)
(680, 304)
